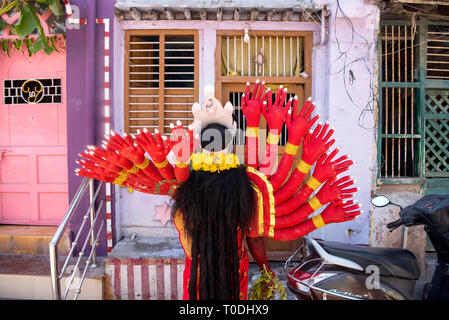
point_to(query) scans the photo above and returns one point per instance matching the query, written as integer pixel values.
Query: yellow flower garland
(214, 162)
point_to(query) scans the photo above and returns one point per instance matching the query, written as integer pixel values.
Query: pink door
(33, 139)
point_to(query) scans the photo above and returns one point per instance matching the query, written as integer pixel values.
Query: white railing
(92, 237)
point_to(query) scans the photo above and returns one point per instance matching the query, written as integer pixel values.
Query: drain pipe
(89, 84)
(90, 97)
(323, 25)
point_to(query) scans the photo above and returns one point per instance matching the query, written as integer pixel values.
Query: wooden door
(33, 139)
(276, 250)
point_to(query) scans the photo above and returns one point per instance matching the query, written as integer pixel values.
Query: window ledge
(387, 181)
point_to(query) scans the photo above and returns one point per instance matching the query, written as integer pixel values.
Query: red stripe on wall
(130, 280)
(160, 288)
(174, 279)
(117, 286)
(145, 282)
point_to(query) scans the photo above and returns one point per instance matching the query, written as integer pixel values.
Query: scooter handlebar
(395, 224)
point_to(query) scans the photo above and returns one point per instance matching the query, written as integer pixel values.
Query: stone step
(151, 268)
(30, 239)
(27, 276)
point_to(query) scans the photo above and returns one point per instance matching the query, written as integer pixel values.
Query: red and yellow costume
(283, 203)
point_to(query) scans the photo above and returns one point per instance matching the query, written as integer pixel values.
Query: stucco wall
(136, 211)
(351, 50)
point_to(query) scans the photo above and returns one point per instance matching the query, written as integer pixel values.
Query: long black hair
(215, 205)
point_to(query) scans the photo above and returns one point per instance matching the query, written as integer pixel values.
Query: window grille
(262, 56)
(32, 91)
(399, 132)
(413, 101)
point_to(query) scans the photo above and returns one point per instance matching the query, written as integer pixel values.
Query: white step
(27, 276)
(32, 287)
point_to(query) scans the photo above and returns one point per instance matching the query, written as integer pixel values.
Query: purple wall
(85, 92)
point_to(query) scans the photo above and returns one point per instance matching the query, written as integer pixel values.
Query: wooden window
(287, 61)
(161, 78)
(277, 59)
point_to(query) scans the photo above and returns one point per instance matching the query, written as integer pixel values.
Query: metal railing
(93, 214)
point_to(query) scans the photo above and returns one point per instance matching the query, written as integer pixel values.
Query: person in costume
(220, 202)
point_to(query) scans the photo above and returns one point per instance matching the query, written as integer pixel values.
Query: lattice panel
(436, 146)
(437, 103)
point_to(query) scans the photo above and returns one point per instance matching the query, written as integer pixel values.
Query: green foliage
(266, 287)
(28, 23)
(5, 46)
(56, 7)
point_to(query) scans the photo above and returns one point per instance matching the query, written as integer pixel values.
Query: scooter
(327, 270)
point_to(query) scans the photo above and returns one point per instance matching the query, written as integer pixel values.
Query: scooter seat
(392, 262)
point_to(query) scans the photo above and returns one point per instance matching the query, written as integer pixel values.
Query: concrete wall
(85, 95)
(403, 195)
(351, 51)
(331, 87)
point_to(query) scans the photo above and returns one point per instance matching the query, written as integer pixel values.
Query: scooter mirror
(380, 201)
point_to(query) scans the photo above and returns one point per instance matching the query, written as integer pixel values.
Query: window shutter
(161, 83)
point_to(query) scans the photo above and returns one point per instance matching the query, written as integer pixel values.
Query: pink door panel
(33, 144)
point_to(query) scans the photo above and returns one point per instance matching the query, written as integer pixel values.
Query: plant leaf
(53, 44)
(28, 44)
(3, 24)
(56, 7)
(5, 46)
(26, 24)
(36, 46)
(42, 38)
(18, 43)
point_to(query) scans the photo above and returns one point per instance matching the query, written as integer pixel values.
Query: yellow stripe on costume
(134, 169)
(161, 164)
(144, 164)
(181, 164)
(122, 176)
(291, 149)
(186, 243)
(252, 132)
(318, 221)
(120, 179)
(270, 199)
(303, 167)
(259, 209)
(314, 203)
(273, 138)
(313, 183)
